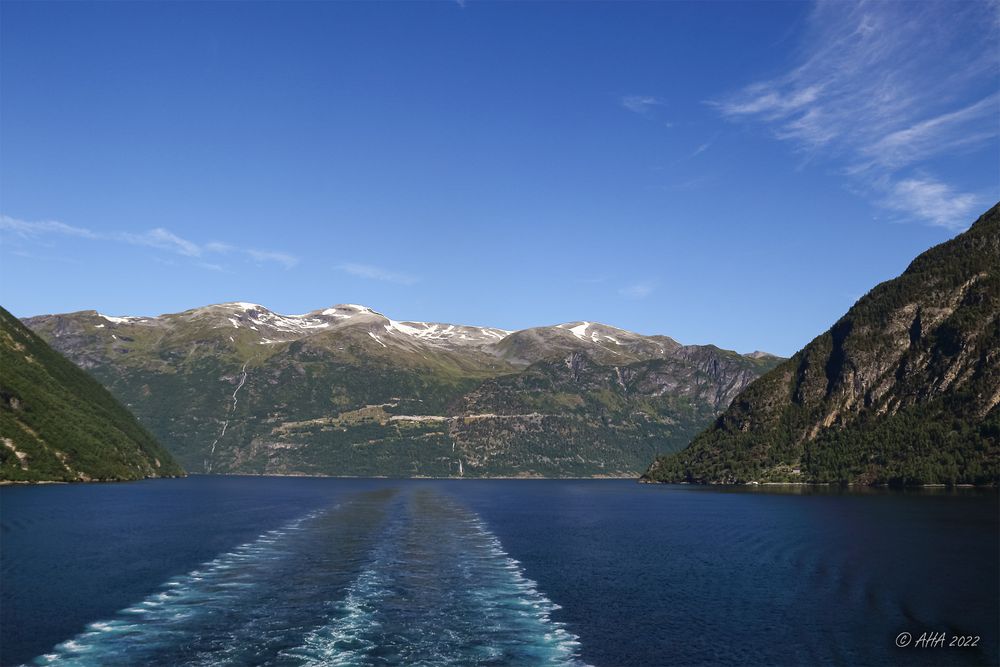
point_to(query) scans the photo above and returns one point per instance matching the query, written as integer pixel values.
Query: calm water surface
(296, 571)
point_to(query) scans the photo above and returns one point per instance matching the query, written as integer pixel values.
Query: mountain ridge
(236, 387)
(430, 332)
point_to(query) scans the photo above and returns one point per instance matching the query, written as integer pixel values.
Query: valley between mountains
(237, 388)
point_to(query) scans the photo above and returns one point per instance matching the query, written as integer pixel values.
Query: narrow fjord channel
(308, 571)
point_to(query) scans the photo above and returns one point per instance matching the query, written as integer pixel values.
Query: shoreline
(20, 482)
(430, 477)
(33, 482)
(526, 478)
(850, 485)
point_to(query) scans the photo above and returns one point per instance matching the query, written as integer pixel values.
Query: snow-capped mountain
(237, 387)
(245, 322)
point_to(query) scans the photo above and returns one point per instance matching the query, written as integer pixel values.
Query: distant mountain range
(58, 424)
(237, 388)
(905, 388)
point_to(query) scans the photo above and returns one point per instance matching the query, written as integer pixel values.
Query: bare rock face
(346, 390)
(903, 389)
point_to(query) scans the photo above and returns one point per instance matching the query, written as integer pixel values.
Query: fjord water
(242, 570)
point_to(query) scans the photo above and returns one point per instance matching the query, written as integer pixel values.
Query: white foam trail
(158, 618)
(441, 590)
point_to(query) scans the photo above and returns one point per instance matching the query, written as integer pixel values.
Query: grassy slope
(62, 422)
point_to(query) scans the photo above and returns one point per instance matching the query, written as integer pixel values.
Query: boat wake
(409, 578)
(173, 618)
(440, 590)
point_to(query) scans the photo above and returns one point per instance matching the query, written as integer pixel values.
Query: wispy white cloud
(261, 256)
(933, 201)
(26, 229)
(208, 266)
(163, 239)
(377, 273)
(158, 238)
(45, 258)
(701, 149)
(883, 87)
(969, 126)
(639, 290)
(641, 104)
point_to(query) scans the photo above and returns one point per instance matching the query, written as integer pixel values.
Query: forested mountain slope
(905, 388)
(59, 424)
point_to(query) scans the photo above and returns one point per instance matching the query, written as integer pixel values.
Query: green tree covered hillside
(59, 424)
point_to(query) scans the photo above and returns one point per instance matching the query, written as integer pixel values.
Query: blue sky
(733, 173)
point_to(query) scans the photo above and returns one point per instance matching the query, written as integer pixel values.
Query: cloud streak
(881, 88)
(641, 104)
(936, 202)
(157, 238)
(637, 291)
(369, 272)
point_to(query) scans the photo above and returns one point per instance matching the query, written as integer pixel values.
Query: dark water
(292, 571)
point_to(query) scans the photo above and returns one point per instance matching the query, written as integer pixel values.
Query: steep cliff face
(58, 424)
(345, 390)
(903, 389)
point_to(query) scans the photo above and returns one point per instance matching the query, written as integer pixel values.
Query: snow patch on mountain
(580, 331)
(499, 334)
(332, 312)
(405, 329)
(243, 305)
(124, 319)
(290, 324)
(444, 334)
(593, 332)
(346, 311)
